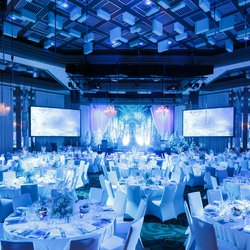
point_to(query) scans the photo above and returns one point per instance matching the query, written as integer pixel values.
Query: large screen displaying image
(54, 122)
(208, 122)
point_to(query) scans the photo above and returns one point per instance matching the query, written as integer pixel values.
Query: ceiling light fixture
(162, 110)
(110, 111)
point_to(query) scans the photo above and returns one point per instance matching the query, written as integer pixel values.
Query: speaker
(75, 96)
(194, 98)
(3, 6)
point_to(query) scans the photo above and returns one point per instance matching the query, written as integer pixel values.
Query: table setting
(48, 229)
(231, 220)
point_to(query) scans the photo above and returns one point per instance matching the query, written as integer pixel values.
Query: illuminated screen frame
(51, 108)
(202, 109)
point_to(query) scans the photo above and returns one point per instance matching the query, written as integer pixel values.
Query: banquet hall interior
(124, 124)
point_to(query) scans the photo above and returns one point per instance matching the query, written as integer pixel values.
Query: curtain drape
(99, 121)
(163, 122)
(6, 122)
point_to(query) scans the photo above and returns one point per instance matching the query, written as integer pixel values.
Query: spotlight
(148, 2)
(65, 5)
(78, 85)
(35, 74)
(70, 84)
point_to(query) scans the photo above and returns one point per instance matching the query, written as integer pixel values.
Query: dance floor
(156, 235)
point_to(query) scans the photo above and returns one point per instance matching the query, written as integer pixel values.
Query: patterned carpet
(156, 235)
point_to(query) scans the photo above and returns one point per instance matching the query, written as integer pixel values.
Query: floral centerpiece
(62, 203)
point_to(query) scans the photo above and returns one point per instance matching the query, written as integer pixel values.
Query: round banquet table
(150, 190)
(56, 234)
(230, 223)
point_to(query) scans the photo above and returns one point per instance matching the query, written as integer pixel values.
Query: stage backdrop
(133, 125)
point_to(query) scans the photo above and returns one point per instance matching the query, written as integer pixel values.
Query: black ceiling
(154, 36)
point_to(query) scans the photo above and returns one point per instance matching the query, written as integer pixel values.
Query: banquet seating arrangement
(32, 189)
(195, 204)
(205, 237)
(133, 200)
(6, 208)
(164, 208)
(16, 245)
(23, 200)
(122, 226)
(132, 186)
(214, 195)
(190, 240)
(117, 243)
(92, 243)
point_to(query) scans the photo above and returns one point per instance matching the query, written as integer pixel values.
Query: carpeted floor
(155, 235)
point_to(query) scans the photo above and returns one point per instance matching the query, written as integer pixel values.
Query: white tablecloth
(56, 241)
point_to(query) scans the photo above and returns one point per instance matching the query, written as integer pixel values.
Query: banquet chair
(205, 237)
(85, 177)
(60, 173)
(32, 189)
(112, 177)
(175, 177)
(210, 169)
(208, 181)
(111, 196)
(179, 198)
(23, 200)
(104, 170)
(245, 192)
(9, 175)
(133, 200)
(17, 245)
(94, 167)
(195, 204)
(122, 226)
(6, 208)
(85, 244)
(156, 172)
(111, 164)
(120, 202)
(190, 241)
(244, 164)
(230, 171)
(221, 175)
(214, 195)
(95, 195)
(214, 182)
(164, 208)
(116, 169)
(118, 243)
(79, 173)
(105, 193)
(232, 189)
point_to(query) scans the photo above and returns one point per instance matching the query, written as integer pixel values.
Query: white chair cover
(195, 204)
(214, 195)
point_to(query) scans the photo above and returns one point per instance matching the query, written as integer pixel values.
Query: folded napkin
(55, 233)
(101, 223)
(16, 214)
(106, 215)
(87, 228)
(246, 228)
(23, 231)
(14, 220)
(210, 208)
(107, 208)
(37, 234)
(221, 220)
